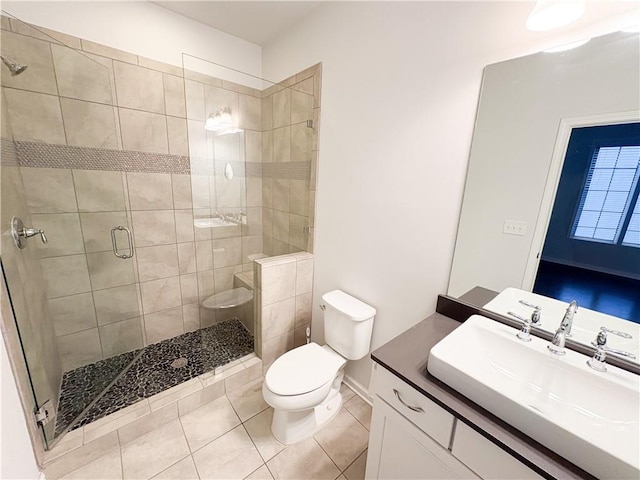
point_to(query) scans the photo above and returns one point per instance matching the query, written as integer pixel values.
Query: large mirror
(528, 109)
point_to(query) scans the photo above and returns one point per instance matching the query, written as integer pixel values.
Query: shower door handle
(115, 244)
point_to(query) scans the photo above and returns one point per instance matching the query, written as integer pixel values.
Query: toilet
(303, 385)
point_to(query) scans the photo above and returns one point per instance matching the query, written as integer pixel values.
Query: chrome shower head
(14, 68)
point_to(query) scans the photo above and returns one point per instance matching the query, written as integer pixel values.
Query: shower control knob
(20, 233)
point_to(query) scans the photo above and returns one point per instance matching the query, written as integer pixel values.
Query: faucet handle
(530, 305)
(600, 355)
(535, 317)
(616, 332)
(525, 333)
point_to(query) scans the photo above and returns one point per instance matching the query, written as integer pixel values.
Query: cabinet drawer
(413, 405)
(487, 459)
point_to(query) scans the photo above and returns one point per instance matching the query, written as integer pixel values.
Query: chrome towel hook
(20, 233)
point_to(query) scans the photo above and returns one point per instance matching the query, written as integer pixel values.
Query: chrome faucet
(560, 337)
(572, 309)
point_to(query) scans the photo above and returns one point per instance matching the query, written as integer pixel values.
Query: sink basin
(586, 323)
(589, 418)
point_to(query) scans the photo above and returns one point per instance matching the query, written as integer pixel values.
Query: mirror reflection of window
(592, 247)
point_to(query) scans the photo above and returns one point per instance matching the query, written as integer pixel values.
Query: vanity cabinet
(414, 438)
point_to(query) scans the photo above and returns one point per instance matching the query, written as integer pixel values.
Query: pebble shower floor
(155, 368)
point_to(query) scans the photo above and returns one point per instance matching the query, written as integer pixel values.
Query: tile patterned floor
(150, 374)
(230, 438)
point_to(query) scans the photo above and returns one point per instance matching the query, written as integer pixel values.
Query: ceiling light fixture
(221, 120)
(550, 14)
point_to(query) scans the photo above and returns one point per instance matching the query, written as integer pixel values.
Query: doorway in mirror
(591, 251)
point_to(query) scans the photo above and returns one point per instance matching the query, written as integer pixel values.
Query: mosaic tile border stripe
(289, 171)
(46, 155)
(9, 154)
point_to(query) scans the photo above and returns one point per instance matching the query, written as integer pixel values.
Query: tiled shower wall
(282, 303)
(103, 139)
(113, 128)
(289, 156)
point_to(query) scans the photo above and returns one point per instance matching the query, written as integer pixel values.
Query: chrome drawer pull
(415, 409)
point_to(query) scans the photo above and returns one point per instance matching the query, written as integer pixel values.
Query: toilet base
(293, 427)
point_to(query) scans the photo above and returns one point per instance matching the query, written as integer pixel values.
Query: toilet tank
(348, 323)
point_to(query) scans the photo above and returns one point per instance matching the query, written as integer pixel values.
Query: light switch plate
(512, 227)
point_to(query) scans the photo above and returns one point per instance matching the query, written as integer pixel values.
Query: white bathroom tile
(147, 423)
(34, 117)
(174, 394)
(65, 276)
(63, 233)
(162, 325)
(204, 255)
(191, 317)
(160, 294)
(356, 470)
(82, 77)
(160, 261)
(259, 429)
(143, 131)
(303, 309)
(72, 314)
(174, 96)
(116, 420)
(139, 88)
(49, 190)
(251, 372)
(293, 462)
(201, 397)
(89, 124)
(154, 227)
(181, 185)
(106, 270)
(99, 191)
(278, 318)
(78, 349)
(82, 456)
(116, 304)
(185, 469)
(189, 288)
(230, 456)
(343, 439)
(187, 258)
(153, 452)
(121, 337)
(247, 400)
(96, 230)
(208, 422)
(278, 282)
(150, 191)
(184, 226)
(261, 473)
(360, 409)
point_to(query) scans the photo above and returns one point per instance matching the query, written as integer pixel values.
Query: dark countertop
(406, 356)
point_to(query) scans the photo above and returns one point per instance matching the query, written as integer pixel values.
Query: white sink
(589, 418)
(586, 323)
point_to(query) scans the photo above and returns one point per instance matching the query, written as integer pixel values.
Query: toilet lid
(302, 370)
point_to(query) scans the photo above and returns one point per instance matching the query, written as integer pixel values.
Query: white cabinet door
(399, 450)
(486, 458)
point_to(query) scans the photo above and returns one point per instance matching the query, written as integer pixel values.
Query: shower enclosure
(156, 187)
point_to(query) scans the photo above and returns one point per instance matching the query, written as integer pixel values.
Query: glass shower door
(75, 298)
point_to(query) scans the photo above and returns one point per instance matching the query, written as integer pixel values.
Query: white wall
(17, 460)
(141, 28)
(399, 94)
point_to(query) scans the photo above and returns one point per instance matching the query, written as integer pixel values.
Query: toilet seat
(303, 370)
